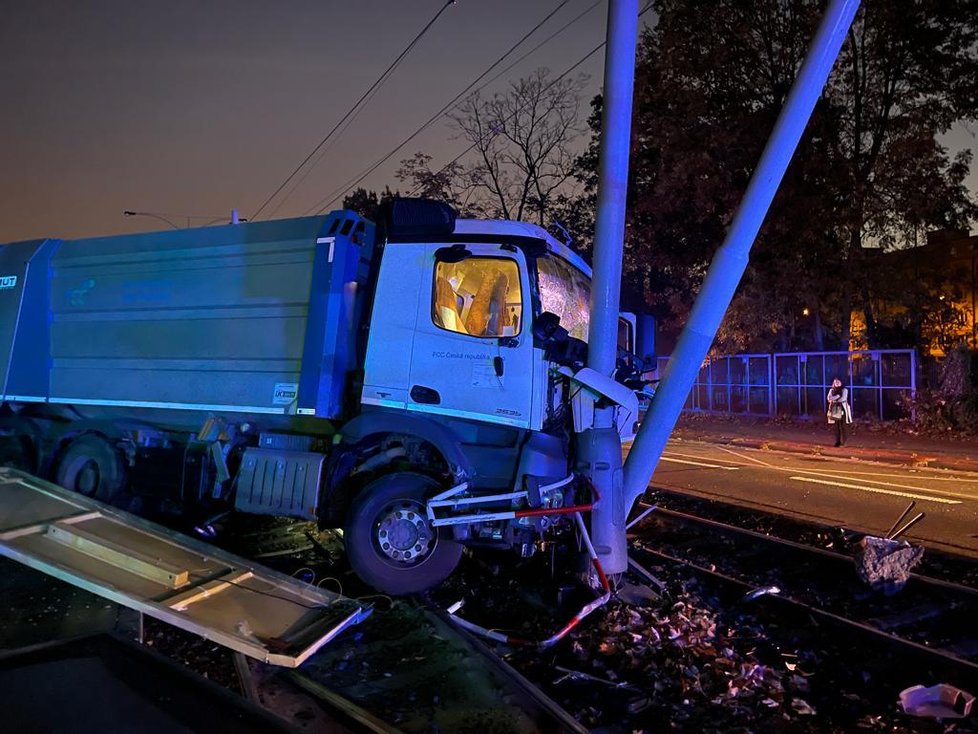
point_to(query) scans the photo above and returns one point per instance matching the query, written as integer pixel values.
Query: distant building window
(479, 296)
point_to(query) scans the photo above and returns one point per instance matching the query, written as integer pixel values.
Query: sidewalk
(866, 441)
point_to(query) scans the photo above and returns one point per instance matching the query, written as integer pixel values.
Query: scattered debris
(942, 701)
(761, 591)
(636, 594)
(645, 574)
(910, 523)
(889, 533)
(801, 707)
(886, 564)
(569, 674)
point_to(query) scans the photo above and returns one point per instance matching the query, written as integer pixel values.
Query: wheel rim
(403, 535)
(85, 476)
(88, 478)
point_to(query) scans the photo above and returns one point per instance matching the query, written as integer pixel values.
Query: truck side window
(480, 296)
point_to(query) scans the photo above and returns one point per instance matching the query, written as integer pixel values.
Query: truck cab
(476, 330)
(451, 323)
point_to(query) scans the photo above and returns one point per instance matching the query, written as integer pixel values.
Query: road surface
(861, 495)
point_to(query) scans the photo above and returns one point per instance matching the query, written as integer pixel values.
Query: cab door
(473, 353)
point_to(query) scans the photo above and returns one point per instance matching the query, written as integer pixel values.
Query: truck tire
(91, 466)
(388, 539)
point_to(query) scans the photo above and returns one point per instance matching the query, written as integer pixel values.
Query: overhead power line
(336, 194)
(567, 71)
(584, 58)
(380, 80)
(332, 197)
(542, 43)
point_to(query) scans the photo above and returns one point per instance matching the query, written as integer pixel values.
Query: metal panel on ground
(176, 579)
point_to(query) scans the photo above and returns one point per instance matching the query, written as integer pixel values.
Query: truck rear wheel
(388, 538)
(17, 452)
(93, 467)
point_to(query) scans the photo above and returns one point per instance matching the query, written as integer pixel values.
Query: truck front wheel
(388, 538)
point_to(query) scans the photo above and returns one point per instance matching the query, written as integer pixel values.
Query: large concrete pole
(731, 259)
(599, 448)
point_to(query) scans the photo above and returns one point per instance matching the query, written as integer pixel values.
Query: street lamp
(129, 213)
(234, 219)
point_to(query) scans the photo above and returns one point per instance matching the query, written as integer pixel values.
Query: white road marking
(697, 456)
(749, 458)
(877, 490)
(842, 474)
(944, 492)
(899, 476)
(699, 463)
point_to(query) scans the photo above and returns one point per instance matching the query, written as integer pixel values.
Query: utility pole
(599, 447)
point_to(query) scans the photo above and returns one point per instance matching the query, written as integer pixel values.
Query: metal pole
(974, 332)
(731, 258)
(599, 447)
(609, 230)
(913, 385)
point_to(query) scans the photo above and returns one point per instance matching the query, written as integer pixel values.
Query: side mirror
(545, 326)
(558, 345)
(452, 254)
(645, 347)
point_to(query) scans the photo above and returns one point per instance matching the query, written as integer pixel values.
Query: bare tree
(522, 152)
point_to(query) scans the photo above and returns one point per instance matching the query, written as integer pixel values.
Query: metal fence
(795, 383)
(737, 384)
(880, 382)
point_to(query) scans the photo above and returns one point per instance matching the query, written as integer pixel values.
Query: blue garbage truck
(415, 382)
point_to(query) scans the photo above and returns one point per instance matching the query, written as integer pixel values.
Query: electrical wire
(508, 119)
(339, 584)
(591, 53)
(330, 198)
(542, 43)
(379, 81)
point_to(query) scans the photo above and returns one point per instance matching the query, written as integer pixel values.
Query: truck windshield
(565, 291)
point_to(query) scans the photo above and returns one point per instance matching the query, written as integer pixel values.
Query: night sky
(186, 107)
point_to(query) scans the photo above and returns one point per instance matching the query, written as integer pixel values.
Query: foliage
(451, 183)
(368, 203)
(953, 404)
(867, 171)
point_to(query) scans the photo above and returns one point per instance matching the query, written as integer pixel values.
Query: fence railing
(794, 384)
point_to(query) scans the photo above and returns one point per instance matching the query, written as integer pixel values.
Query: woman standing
(839, 411)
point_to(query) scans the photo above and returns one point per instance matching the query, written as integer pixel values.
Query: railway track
(407, 668)
(415, 671)
(934, 618)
